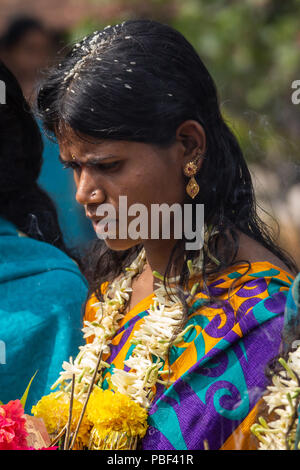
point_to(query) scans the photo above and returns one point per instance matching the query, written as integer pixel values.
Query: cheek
(160, 187)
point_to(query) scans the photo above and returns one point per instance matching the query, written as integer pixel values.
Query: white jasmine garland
(282, 399)
(153, 339)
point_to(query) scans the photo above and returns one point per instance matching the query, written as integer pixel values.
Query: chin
(120, 244)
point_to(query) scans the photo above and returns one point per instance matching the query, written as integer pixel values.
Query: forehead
(85, 147)
(70, 141)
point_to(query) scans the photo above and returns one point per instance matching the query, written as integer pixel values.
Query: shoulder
(252, 251)
(60, 273)
(253, 294)
(24, 257)
(241, 274)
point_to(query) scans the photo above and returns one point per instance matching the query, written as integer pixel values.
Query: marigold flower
(54, 410)
(109, 411)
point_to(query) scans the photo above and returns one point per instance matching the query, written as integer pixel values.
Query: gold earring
(190, 170)
(73, 156)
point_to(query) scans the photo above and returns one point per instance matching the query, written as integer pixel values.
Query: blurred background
(251, 48)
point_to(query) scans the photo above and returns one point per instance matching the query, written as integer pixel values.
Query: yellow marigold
(54, 410)
(110, 411)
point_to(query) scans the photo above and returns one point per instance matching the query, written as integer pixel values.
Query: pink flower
(7, 432)
(12, 426)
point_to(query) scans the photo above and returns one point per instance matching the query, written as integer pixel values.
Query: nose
(88, 191)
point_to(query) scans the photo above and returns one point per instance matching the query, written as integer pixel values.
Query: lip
(94, 218)
(101, 225)
(102, 220)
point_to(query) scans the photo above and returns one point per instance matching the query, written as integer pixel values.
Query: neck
(158, 253)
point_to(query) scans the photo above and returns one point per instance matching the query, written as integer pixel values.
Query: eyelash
(101, 166)
(70, 165)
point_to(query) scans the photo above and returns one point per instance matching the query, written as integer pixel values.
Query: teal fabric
(290, 332)
(41, 296)
(291, 326)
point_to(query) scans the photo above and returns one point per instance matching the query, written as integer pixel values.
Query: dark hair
(139, 81)
(18, 28)
(22, 201)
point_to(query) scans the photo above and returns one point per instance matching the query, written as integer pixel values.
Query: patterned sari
(218, 369)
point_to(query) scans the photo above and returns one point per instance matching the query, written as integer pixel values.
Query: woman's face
(32, 53)
(105, 170)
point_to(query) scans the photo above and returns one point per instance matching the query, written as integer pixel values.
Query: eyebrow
(91, 162)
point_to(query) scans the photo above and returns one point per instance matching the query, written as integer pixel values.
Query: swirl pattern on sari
(218, 370)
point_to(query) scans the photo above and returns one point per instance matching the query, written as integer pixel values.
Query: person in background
(27, 47)
(40, 322)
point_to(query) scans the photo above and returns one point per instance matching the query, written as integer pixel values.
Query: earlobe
(190, 170)
(192, 137)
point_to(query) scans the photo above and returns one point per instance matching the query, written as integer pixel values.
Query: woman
(40, 325)
(26, 48)
(136, 114)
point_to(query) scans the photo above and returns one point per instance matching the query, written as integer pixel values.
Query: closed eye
(101, 166)
(108, 166)
(72, 165)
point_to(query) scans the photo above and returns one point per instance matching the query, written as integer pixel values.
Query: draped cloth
(291, 332)
(291, 327)
(41, 295)
(218, 370)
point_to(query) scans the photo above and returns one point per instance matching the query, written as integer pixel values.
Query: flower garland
(283, 398)
(152, 339)
(132, 389)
